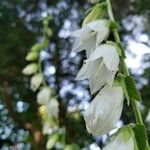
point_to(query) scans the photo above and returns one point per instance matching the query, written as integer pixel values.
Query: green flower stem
(136, 110)
(123, 64)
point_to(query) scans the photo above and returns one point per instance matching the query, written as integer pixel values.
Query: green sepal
(121, 78)
(95, 13)
(141, 137)
(131, 88)
(114, 25)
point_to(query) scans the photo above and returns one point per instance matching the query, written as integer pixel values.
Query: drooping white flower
(100, 69)
(52, 108)
(120, 143)
(104, 111)
(36, 81)
(90, 36)
(44, 96)
(97, 73)
(30, 69)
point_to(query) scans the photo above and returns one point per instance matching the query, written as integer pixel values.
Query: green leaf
(131, 88)
(72, 147)
(140, 136)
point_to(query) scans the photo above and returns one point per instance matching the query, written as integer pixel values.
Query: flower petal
(102, 29)
(88, 45)
(109, 53)
(81, 33)
(104, 111)
(100, 78)
(87, 70)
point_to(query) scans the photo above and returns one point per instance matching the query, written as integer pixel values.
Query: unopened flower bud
(32, 56)
(52, 108)
(44, 96)
(30, 69)
(96, 13)
(36, 80)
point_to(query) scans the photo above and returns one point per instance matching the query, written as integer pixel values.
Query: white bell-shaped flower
(90, 36)
(104, 111)
(44, 96)
(120, 143)
(36, 81)
(97, 73)
(98, 69)
(53, 108)
(30, 69)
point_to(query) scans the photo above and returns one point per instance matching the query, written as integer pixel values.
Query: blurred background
(21, 27)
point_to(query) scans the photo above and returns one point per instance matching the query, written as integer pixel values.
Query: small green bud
(49, 32)
(114, 25)
(94, 1)
(97, 12)
(52, 141)
(36, 47)
(39, 46)
(32, 56)
(45, 20)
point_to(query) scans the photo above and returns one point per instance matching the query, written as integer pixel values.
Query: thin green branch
(134, 103)
(123, 64)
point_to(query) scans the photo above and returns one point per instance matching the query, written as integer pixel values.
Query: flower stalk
(124, 67)
(125, 70)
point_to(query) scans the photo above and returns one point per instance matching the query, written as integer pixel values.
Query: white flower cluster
(100, 69)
